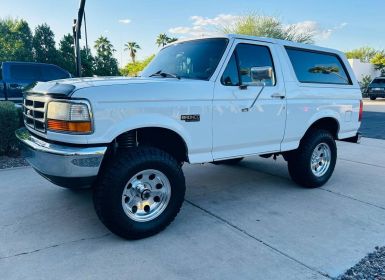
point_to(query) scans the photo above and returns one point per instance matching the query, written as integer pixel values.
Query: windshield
(196, 59)
(378, 82)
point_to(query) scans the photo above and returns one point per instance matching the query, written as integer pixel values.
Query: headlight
(69, 117)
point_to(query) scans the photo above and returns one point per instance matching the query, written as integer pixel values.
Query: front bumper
(66, 166)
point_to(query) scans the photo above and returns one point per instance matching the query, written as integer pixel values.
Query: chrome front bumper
(63, 165)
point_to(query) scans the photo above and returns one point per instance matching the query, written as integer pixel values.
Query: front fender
(106, 132)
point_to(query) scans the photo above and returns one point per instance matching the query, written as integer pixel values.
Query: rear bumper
(377, 94)
(65, 166)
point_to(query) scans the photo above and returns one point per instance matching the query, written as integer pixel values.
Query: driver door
(241, 128)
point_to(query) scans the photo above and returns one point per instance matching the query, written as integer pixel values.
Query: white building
(362, 69)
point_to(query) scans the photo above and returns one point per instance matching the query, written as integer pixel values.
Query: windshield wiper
(162, 74)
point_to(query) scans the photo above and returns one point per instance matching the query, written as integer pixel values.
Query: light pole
(77, 35)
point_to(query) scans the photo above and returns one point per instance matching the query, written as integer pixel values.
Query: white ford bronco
(208, 100)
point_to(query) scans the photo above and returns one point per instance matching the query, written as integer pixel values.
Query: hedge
(10, 120)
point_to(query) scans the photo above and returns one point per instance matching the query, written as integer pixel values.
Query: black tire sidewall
(300, 163)
(111, 210)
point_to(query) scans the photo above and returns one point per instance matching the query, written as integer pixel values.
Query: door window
(252, 56)
(246, 65)
(231, 76)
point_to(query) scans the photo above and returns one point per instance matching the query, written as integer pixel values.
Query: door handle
(278, 95)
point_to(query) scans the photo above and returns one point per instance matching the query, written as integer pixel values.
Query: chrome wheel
(146, 195)
(320, 159)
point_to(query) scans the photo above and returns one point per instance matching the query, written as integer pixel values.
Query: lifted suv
(213, 100)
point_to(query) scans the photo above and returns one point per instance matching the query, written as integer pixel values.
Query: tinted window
(24, 72)
(250, 56)
(317, 67)
(246, 58)
(378, 82)
(53, 73)
(196, 59)
(230, 76)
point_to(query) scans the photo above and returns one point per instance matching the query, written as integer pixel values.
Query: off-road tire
(111, 183)
(299, 161)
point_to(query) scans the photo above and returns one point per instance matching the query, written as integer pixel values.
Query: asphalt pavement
(238, 222)
(373, 123)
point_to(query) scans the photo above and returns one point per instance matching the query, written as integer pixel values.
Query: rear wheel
(140, 192)
(312, 164)
(373, 98)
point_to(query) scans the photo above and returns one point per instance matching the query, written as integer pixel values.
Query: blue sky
(340, 24)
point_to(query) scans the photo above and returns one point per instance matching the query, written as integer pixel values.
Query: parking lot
(238, 222)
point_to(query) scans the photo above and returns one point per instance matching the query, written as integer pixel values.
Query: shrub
(364, 83)
(9, 122)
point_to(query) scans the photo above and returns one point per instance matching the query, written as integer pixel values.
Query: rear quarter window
(318, 67)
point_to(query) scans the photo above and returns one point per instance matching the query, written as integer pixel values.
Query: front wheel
(372, 98)
(312, 164)
(140, 192)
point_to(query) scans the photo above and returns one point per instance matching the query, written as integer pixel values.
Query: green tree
(267, 26)
(88, 62)
(364, 54)
(67, 53)
(163, 40)
(105, 63)
(132, 48)
(44, 48)
(379, 62)
(133, 69)
(15, 40)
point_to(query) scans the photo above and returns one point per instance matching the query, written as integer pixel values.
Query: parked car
(15, 76)
(199, 101)
(376, 88)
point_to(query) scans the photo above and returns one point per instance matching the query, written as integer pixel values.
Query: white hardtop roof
(267, 40)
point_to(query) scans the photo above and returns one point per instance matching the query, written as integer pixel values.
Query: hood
(65, 88)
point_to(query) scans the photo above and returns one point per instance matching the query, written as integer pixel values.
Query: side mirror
(259, 74)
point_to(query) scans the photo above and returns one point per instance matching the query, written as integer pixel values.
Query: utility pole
(76, 28)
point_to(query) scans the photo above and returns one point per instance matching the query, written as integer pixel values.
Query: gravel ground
(372, 267)
(9, 162)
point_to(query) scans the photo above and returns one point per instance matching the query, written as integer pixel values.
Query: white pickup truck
(211, 100)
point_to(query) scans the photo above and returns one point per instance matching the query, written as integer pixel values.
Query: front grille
(34, 108)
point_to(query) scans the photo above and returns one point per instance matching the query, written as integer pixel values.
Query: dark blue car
(15, 76)
(376, 88)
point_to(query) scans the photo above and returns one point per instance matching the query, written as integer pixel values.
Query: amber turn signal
(68, 126)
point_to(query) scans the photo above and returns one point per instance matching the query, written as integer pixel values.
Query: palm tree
(132, 47)
(103, 46)
(163, 40)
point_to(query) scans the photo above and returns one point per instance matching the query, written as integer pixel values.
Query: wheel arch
(330, 124)
(163, 138)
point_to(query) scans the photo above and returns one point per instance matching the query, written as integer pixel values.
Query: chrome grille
(34, 109)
